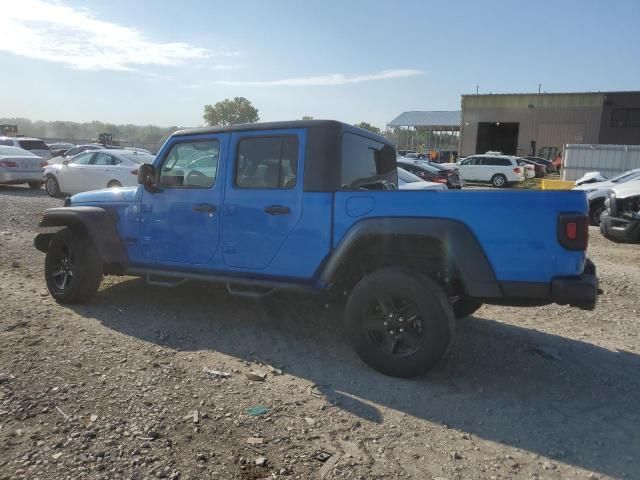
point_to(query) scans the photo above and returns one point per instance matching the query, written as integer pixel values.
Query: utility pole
(539, 88)
(477, 89)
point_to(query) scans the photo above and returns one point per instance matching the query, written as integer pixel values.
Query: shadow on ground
(543, 393)
(21, 191)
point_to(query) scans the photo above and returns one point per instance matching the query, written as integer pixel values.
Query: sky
(160, 61)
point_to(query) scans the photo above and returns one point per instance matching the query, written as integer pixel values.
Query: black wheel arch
(458, 244)
(97, 223)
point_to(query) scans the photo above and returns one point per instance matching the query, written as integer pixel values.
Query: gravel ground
(116, 389)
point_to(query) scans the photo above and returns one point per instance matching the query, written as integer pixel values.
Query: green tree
(307, 117)
(230, 112)
(368, 126)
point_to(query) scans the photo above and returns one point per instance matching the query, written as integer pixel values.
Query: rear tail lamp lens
(8, 163)
(573, 231)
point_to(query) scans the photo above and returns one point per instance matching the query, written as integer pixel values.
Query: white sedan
(95, 169)
(20, 166)
(409, 181)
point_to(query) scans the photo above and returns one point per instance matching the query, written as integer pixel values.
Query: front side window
(82, 159)
(267, 162)
(367, 164)
(191, 165)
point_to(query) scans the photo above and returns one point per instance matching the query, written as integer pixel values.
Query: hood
(108, 195)
(592, 177)
(626, 190)
(588, 187)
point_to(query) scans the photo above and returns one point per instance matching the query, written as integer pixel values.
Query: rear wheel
(73, 268)
(499, 180)
(399, 322)
(52, 186)
(35, 185)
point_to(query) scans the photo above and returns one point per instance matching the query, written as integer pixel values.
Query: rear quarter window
(367, 164)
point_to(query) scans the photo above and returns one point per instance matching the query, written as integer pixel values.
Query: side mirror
(147, 176)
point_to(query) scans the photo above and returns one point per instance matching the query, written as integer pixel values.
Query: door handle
(277, 210)
(204, 208)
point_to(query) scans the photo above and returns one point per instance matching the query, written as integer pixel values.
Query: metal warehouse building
(517, 123)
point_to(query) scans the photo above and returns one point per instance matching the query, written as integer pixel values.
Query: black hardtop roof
(246, 127)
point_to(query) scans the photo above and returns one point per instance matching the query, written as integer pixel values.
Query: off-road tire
(35, 185)
(436, 318)
(466, 306)
(52, 186)
(499, 181)
(85, 265)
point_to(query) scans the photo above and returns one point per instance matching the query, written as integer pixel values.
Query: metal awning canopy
(448, 120)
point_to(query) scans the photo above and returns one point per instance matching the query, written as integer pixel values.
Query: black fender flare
(478, 277)
(98, 223)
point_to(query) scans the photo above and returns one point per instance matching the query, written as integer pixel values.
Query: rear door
(263, 195)
(98, 173)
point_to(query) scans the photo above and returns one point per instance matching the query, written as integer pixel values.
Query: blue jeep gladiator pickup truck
(313, 206)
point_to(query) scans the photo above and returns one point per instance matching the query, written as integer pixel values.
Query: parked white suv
(33, 145)
(500, 170)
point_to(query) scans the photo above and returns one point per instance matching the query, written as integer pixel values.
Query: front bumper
(621, 230)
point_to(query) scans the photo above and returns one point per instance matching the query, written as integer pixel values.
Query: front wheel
(595, 213)
(399, 322)
(499, 180)
(52, 186)
(72, 268)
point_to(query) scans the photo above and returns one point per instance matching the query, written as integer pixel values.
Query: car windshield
(626, 176)
(33, 145)
(139, 157)
(408, 177)
(15, 151)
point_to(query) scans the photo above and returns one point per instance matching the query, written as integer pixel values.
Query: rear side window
(496, 161)
(267, 162)
(103, 159)
(6, 142)
(367, 164)
(33, 145)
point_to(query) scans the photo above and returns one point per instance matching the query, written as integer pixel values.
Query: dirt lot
(109, 390)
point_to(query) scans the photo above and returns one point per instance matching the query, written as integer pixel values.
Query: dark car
(540, 169)
(432, 172)
(551, 168)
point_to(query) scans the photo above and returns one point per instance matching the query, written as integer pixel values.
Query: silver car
(20, 166)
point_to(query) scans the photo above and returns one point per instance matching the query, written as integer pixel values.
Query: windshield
(626, 176)
(407, 177)
(33, 145)
(139, 157)
(15, 151)
(426, 166)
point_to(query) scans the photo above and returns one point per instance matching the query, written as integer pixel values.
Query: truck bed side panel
(517, 229)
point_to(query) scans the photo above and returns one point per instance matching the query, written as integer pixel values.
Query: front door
(263, 195)
(181, 221)
(73, 176)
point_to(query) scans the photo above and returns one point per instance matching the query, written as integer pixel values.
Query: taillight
(43, 164)
(440, 180)
(8, 163)
(517, 170)
(134, 172)
(573, 231)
